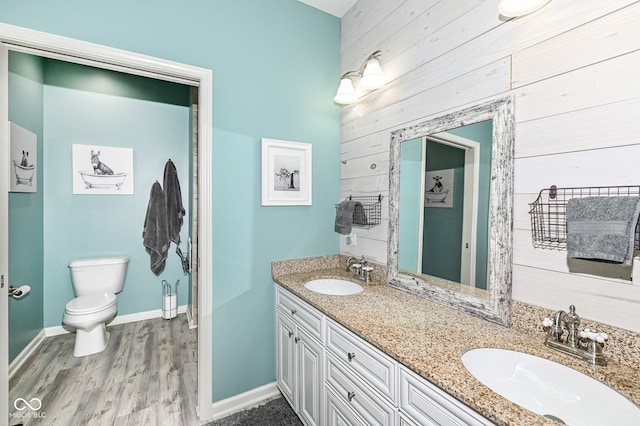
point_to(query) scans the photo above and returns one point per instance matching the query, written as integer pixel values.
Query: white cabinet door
(310, 378)
(300, 357)
(286, 374)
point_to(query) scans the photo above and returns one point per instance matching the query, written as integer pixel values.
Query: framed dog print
(102, 170)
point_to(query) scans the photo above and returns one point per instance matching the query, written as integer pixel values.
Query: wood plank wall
(574, 70)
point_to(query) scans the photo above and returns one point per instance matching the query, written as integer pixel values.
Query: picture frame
(102, 170)
(286, 173)
(23, 159)
(439, 187)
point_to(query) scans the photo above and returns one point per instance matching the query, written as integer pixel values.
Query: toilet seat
(84, 305)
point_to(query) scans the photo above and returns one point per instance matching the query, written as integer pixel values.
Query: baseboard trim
(26, 353)
(119, 319)
(244, 401)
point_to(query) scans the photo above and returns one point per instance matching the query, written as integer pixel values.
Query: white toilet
(95, 283)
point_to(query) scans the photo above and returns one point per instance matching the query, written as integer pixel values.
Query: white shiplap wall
(574, 70)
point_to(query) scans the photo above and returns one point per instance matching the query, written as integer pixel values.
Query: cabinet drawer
(305, 315)
(375, 367)
(366, 402)
(338, 413)
(426, 404)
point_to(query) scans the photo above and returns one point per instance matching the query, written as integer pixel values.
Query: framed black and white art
(286, 173)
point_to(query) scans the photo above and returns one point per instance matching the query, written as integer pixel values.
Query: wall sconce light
(516, 8)
(371, 78)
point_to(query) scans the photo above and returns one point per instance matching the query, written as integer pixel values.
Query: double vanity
(385, 356)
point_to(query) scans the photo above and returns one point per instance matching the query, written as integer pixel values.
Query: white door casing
(471, 191)
(67, 49)
(4, 233)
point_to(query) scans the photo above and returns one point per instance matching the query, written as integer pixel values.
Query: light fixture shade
(346, 93)
(372, 78)
(515, 8)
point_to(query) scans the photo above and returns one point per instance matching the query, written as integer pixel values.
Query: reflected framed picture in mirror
(440, 188)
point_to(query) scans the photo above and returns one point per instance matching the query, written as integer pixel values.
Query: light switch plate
(350, 239)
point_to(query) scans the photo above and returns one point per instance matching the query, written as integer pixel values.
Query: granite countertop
(430, 338)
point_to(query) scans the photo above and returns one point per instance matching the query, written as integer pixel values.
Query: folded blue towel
(602, 228)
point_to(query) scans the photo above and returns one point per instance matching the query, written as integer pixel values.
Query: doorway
(49, 46)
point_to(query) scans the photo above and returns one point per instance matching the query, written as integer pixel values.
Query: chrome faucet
(362, 269)
(573, 345)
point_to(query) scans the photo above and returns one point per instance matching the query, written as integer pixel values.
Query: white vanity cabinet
(300, 354)
(333, 377)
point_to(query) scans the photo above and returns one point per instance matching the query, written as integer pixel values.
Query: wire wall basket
(549, 212)
(371, 212)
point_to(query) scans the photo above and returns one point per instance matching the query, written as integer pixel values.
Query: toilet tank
(98, 275)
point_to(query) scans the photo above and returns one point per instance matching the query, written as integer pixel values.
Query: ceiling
(334, 7)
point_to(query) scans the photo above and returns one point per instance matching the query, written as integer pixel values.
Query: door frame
(471, 150)
(71, 50)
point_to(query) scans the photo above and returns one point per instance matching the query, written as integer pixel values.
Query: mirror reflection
(444, 204)
(451, 209)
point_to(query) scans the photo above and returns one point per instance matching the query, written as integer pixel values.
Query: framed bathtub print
(438, 190)
(23, 159)
(286, 173)
(102, 170)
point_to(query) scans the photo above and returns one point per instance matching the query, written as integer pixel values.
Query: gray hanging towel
(154, 234)
(344, 215)
(602, 228)
(174, 209)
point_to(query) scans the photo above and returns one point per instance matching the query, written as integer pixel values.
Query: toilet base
(89, 342)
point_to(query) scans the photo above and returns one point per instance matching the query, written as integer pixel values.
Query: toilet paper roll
(169, 306)
(21, 291)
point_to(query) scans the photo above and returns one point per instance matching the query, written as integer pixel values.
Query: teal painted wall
(26, 231)
(89, 106)
(481, 133)
(410, 194)
(275, 66)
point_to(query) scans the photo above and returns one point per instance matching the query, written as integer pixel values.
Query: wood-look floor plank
(147, 375)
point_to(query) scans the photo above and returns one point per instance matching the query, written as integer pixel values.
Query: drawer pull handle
(351, 356)
(293, 311)
(297, 339)
(351, 395)
(290, 334)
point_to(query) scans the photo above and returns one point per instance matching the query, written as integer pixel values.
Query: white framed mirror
(451, 209)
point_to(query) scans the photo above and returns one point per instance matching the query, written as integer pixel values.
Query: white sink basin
(550, 389)
(333, 286)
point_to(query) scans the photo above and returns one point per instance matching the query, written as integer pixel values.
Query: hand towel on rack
(602, 228)
(174, 209)
(345, 214)
(154, 234)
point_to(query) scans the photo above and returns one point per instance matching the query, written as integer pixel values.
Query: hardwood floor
(146, 376)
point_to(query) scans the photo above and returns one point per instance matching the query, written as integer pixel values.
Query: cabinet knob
(290, 334)
(297, 339)
(351, 356)
(293, 311)
(351, 395)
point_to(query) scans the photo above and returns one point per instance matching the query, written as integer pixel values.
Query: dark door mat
(275, 412)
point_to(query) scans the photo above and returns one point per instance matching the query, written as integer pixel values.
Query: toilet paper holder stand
(169, 300)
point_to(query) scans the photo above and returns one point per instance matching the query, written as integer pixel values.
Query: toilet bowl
(95, 283)
(88, 314)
